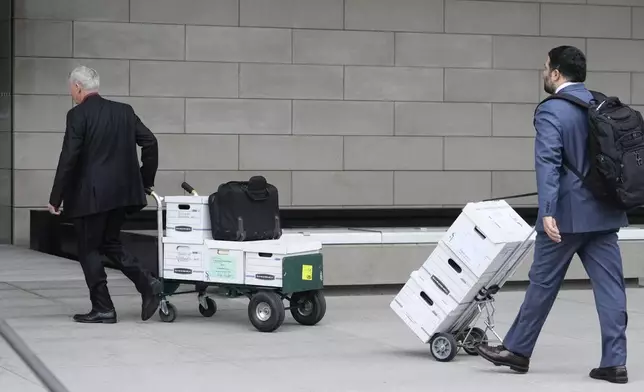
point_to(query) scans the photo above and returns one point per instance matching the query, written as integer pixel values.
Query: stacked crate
(480, 249)
(187, 229)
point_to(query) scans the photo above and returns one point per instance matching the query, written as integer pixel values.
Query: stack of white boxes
(475, 249)
(187, 229)
(191, 254)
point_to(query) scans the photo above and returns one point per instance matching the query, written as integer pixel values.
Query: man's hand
(53, 210)
(550, 226)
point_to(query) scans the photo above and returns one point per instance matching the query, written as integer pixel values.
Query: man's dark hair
(570, 61)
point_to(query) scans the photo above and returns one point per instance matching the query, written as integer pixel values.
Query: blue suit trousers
(600, 255)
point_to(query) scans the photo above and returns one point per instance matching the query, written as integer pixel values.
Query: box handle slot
(440, 284)
(184, 206)
(479, 232)
(264, 254)
(454, 266)
(426, 298)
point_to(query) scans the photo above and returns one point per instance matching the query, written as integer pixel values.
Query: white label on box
(225, 266)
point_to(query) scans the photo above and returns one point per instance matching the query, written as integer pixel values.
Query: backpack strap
(568, 97)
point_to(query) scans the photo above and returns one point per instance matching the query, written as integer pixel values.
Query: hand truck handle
(158, 199)
(186, 187)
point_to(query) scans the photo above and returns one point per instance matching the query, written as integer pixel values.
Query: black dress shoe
(95, 317)
(500, 356)
(151, 300)
(615, 374)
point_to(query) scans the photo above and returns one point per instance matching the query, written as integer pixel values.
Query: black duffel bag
(245, 211)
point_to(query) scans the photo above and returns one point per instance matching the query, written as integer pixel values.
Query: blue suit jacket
(562, 128)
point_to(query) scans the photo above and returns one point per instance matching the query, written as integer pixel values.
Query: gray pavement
(360, 346)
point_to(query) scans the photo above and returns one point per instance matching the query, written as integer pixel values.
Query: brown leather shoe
(615, 374)
(500, 356)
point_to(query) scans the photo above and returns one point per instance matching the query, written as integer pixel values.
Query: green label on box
(222, 267)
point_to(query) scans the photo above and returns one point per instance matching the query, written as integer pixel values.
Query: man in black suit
(100, 181)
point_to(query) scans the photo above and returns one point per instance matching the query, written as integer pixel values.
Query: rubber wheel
(171, 316)
(476, 338)
(210, 310)
(266, 311)
(308, 307)
(443, 347)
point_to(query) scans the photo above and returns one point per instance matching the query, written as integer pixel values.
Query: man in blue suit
(570, 221)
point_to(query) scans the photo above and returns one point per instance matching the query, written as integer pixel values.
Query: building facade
(339, 103)
(6, 112)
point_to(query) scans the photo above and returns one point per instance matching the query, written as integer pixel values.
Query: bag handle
(256, 195)
(256, 188)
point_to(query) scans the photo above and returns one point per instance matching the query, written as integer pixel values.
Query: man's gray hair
(87, 78)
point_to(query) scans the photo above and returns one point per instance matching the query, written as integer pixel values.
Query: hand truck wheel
(171, 314)
(476, 338)
(443, 347)
(210, 309)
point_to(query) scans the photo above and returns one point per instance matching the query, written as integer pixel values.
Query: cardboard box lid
(283, 245)
(498, 221)
(186, 200)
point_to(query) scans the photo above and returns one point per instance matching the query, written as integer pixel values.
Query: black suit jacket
(98, 169)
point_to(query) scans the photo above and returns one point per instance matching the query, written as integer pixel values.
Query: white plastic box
(188, 218)
(485, 234)
(183, 261)
(423, 314)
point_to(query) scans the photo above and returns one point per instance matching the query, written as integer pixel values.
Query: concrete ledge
(377, 257)
(387, 256)
(348, 265)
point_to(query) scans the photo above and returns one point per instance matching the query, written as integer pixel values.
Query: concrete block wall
(5, 122)
(338, 102)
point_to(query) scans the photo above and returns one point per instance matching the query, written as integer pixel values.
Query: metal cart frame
(464, 334)
(266, 310)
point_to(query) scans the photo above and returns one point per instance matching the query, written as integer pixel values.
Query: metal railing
(41, 371)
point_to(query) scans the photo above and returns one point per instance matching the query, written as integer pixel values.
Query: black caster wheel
(476, 338)
(308, 307)
(170, 316)
(266, 311)
(443, 347)
(210, 310)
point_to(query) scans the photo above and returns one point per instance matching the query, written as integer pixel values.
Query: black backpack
(615, 150)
